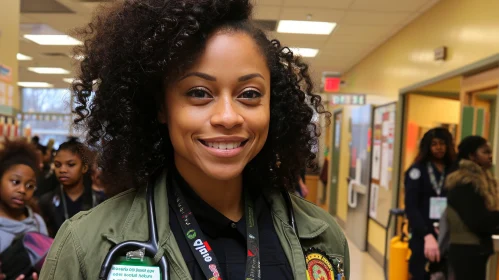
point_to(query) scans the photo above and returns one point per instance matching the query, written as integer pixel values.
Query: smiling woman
(208, 122)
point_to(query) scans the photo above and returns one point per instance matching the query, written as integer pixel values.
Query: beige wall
(469, 28)
(9, 41)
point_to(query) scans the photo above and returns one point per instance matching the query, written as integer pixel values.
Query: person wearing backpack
(19, 165)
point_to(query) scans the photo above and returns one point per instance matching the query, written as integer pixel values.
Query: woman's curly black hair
(135, 48)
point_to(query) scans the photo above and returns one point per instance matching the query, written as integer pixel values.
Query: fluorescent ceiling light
(35, 85)
(68, 80)
(306, 27)
(48, 70)
(304, 52)
(21, 56)
(53, 40)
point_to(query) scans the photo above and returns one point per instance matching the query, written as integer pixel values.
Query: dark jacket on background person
(53, 208)
(473, 217)
(418, 192)
(85, 239)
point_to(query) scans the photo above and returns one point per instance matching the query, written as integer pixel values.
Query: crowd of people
(452, 204)
(40, 188)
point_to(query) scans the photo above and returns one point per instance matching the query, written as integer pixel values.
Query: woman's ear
(85, 168)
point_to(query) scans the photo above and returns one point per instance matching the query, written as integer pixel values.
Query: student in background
(73, 193)
(473, 210)
(424, 189)
(19, 164)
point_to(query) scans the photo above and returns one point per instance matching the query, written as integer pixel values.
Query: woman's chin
(224, 173)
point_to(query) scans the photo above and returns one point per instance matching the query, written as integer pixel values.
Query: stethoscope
(151, 246)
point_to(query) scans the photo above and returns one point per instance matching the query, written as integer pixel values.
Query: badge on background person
(415, 174)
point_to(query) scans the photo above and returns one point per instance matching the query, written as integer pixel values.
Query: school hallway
(363, 266)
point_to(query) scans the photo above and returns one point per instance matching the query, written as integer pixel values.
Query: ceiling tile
(363, 30)
(428, 5)
(303, 41)
(267, 2)
(374, 18)
(329, 15)
(388, 5)
(267, 12)
(331, 4)
(334, 46)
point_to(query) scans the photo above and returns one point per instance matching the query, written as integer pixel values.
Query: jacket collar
(308, 226)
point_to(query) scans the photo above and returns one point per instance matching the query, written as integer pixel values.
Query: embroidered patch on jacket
(319, 266)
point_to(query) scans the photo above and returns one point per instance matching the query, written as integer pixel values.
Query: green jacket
(83, 242)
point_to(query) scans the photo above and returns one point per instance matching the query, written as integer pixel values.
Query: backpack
(25, 255)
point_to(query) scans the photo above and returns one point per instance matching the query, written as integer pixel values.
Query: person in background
(97, 186)
(47, 180)
(473, 210)
(424, 189)
(301, 187)
(74, 192)
(19, 164)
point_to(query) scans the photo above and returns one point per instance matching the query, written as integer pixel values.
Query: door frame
(333, 196)
(467, 70)
(472, 84)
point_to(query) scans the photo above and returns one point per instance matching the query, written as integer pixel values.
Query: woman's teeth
(223, 145)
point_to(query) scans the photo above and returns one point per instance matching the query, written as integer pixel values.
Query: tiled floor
(362, 266)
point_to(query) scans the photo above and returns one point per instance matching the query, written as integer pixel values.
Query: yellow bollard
(398, 268)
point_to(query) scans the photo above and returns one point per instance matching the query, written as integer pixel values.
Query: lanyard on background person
(437, 186)
(202, 251)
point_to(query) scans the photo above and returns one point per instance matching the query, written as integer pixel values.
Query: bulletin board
(382, 163)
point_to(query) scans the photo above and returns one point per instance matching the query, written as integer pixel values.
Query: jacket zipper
(338, 267)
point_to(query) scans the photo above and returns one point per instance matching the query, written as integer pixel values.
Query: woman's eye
(250, 94)
(198, 93)
(15, 182)
(30, 187)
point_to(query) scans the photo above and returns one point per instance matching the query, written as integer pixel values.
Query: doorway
(335, 162)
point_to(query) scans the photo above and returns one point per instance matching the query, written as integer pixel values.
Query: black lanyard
(202, 250)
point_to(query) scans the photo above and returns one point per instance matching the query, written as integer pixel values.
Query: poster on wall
(382, 163)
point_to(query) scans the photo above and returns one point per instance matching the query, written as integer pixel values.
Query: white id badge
(133, 272)
(437, 207)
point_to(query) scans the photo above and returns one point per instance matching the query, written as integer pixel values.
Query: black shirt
(227, 239)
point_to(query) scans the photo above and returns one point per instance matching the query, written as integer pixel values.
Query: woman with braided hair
(195, 103)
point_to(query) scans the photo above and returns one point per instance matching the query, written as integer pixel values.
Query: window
(46, 113)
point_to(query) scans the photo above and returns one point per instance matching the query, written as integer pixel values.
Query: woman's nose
(226, 113)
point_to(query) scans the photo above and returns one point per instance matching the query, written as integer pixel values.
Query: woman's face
(218, 112)
(483, 156)
(18, 184)
(438, 148)
(69, 168)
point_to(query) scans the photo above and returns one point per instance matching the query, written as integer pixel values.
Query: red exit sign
(332, 84)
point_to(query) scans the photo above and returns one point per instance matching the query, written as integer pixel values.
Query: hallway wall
(469, 28)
